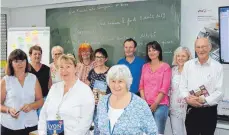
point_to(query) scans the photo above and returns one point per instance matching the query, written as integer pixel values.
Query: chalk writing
(99, 7)
(148, 35)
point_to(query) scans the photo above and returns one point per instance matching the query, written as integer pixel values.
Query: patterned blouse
(154, 82)
(83, 70)
(177, 104)
(55, 73)
(93, 76)
(136, 119)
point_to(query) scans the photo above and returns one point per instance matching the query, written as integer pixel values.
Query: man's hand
(193, 101)
(201, 100)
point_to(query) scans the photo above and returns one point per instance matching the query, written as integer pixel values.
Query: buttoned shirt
(75, 108)
(16, 96)
(209, 74)
(154, 82)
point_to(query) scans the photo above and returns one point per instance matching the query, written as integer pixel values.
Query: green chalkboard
(108, 25)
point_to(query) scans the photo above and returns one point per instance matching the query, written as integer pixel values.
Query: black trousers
(201, 121)
(26, 131)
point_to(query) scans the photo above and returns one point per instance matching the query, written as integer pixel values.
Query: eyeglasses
(202, 47)
(99, 57)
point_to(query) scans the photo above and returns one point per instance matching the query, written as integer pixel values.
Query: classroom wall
(26, 3)
(35, 15)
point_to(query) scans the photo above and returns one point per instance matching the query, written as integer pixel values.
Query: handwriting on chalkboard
(129, 20)
(80, 31)
(98, 7)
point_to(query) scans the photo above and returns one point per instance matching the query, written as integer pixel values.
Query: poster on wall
(25, 37)
(201, 20)
(208, 20)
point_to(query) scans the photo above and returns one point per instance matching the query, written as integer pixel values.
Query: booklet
(99, 89)
(200, 92)
(55, 127)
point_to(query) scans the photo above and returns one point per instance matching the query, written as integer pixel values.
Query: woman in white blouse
(70, 100)
(178, 105)
(21, 95)
(57, 51)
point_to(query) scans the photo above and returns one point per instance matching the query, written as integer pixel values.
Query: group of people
(136, 96)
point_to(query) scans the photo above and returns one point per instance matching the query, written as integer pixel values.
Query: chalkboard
(108, 25)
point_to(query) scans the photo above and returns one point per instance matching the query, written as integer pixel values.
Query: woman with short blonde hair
(70, 100)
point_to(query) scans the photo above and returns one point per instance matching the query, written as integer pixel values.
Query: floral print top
(55, 74)
(177, 104)
(136, 119)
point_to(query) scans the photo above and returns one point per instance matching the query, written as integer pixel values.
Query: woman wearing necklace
(86, 62)
(155, 83)
(178, 105)
(21, 95)
(122, 112)
(70, 100)
(57, 51)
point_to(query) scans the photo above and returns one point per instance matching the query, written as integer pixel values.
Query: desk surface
(34, 133)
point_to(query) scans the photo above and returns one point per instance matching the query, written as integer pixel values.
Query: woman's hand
(153, 107)
(13, 113)
(27, 108)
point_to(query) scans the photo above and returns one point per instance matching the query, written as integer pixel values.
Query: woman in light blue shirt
(122, 112)
(21, 96)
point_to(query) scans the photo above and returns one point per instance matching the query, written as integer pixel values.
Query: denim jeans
(160, 117)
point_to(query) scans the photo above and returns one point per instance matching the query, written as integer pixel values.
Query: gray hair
(58, 48)
(177, 51)
(120, 72)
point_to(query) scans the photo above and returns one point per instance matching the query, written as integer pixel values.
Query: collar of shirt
(131, 61)
(208, 62)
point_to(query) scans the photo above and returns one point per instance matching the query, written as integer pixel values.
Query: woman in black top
(40, 70)
(97, 76)
(97, 79)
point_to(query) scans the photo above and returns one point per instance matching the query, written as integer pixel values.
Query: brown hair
(35, 47)
(17, 54)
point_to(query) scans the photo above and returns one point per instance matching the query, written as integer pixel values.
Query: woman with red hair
(86, 61)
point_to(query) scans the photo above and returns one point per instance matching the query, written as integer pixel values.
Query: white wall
(6, 11)
(27, 3)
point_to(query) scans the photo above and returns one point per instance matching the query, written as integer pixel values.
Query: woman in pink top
(155, 84)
